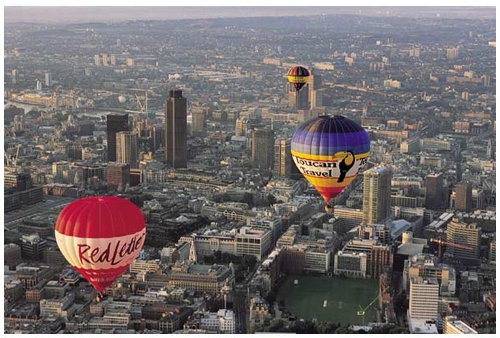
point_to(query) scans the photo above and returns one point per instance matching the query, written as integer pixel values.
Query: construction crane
(440, 243)
(361, 312)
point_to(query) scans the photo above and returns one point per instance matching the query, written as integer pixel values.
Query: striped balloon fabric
(298, 76)
(330, 151)
(100, 237)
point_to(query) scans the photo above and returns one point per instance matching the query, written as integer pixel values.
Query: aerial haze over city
(204, 137)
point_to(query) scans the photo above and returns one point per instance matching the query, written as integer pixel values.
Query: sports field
(343, 297)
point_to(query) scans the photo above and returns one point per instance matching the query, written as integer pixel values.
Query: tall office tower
(434, 193)
(282, 158)
(32, 247)
(241, 126)
(463, 196)
(175, 109)
(104, 59)
(489, 151)
(199, 122)
(486, 80)
(298, 99)
(492, 254)
(127, 148)
(97, 60)
(38, 85)
(424, 298)
(113, 60)
(13, 74)
(117, 174)
(314, 84)
(463, 234)
(48, 79)
(118, 43)
(262, 148)
(376, 195)
(158, 135)
(114, 124)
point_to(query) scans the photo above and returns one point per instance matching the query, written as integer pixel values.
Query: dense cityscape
(191, 120)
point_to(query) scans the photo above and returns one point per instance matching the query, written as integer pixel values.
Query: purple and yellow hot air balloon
(330, 152)
(298, 76)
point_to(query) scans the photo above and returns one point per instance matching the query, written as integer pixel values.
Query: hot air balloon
(100, 237)
(298, 76)
(330, 152)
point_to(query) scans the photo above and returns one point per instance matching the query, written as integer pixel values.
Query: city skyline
(76, 14)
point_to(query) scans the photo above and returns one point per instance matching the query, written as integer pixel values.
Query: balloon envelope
(329, 152)
(298, 76)
(100, 237)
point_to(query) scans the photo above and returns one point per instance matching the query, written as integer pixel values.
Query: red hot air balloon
(298, 76)
(100, 237)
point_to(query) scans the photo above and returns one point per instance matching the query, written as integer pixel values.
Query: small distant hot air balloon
(100, 237)
(330, 152)
(298, 76)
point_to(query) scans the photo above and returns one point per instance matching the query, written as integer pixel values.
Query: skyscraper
(424, 298)
(48, 79)
(282, 158)
(241, 126)
(468, 235)
(117, 174)
(298, 99)
(127, 148)
(262, 148)
(463, 196)
(314, 84)
(489, 151)
(376, 195)
(199, 123)
(434, 195)
(114, 124)
(175, 109)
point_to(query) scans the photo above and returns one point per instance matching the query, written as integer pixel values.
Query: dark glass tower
(115, 124)
(175, 109)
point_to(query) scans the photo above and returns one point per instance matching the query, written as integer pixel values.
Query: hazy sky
(73, 14)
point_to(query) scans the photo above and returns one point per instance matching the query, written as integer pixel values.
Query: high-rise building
(48, 79)
(262, 148)
(434, 194)
(97, 60)
(38, 85)
(298, 99)
(199, 122)
(104, 59)
(314, 84)
(32, 247)
(463, 234)
(114, 125)
(241, 126)
(118, 174)
(424, 298)
(463, 196)
(13, 74)
(282, 158)
(376, 195)
(113, 60)
(158, 135)
(175, 110)
(489, 151)
(127, 148)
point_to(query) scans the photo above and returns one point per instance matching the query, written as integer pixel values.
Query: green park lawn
(343, 296)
